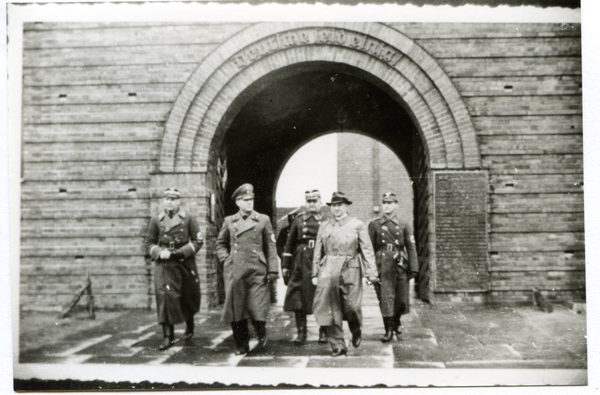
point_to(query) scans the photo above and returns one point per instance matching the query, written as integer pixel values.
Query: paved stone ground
(433, 337)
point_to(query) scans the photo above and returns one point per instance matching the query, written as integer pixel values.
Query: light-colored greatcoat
(247, 249)
(176, 282)
(343, 255)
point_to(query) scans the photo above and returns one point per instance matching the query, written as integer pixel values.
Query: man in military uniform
(172, 241)
(296, 266)
(246, 245)
(343, 255)
(391, 236)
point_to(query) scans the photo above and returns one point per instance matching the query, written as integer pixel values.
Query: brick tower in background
(366, 170)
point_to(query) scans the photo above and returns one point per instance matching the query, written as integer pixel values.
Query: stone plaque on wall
(461, 246)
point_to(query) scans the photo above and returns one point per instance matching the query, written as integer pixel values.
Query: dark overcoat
(343, 255)
(391, 237)
(298, 260)
(247, 249)
(176, 282)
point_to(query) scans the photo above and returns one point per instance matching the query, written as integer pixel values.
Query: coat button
(253, 250)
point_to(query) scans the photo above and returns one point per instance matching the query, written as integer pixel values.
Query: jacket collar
(393, 217)
(180, 212)
(342, 221)
(238, 216)
(307, 214)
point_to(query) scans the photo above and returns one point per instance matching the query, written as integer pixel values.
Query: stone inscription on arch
(318, 36)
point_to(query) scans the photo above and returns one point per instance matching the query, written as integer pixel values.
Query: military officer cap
(172, 193)
(339, 197)
(243, 192)
(312, 195)
(389, 197)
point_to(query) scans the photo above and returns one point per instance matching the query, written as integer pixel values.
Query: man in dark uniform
(246, 245)
(343, 255)
(391, 236)
(296, 266)
(172, 241)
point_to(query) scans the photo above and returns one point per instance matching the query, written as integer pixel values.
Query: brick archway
(427, 92)
(447, 176)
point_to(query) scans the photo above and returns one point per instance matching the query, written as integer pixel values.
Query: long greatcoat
(176, 282)
(390, 236)
(343, 255)
(298, 260)
(247, 249)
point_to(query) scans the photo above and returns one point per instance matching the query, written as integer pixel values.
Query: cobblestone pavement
(433, 337)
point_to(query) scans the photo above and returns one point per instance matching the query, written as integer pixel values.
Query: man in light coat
(246, 245)
(343, 255)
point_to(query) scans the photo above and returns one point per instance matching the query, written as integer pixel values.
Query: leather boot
(189, 329)
(240, 336)
(389, 333)
(301, 326)
(322, 334)
(396, 325)
(168, 334)
(261, 332)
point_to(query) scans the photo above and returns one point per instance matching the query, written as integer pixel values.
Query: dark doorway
(293, 105)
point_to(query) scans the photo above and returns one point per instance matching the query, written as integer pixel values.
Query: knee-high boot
(240, 336)
(168, 334)
(389, 333)
(261, 332)
(189, 329)
(396, 325)
(301, 327)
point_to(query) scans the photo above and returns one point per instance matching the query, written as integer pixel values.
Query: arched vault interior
(285, 109)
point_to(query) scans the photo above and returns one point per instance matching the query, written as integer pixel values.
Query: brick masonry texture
(98, 98)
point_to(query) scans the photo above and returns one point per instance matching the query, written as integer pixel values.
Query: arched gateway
(442, 154)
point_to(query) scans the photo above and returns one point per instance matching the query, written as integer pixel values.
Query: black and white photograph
(234, 196)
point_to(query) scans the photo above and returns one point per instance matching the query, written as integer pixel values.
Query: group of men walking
(325, 256)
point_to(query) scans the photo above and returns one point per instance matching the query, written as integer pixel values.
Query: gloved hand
(273, 277)
(412, 275)
(177, 254)
(315, 281)
(373, 279)
(285, 273)
(165, 254)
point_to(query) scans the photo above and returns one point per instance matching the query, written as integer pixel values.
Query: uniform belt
(171, 245)
(391, 247)
(340, 254)
(307, 242)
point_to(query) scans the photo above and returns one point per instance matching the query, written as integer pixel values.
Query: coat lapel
(176, 220)
(244, 225)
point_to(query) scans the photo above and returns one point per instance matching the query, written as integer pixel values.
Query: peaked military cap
(339, 197)
(312, 195)
(244, 191)
(172, 193)
(389, 197)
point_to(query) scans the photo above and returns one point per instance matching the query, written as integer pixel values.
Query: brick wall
(367, 169)
(96, 97)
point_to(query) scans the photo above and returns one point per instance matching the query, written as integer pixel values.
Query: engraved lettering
(274, 44)
(304, 38)
(356, 42)
(252, 54)
(239, 61)
(323, 36)
(340, 37)
(388, 55)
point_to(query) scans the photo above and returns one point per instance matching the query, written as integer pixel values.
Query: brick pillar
(460, 256)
